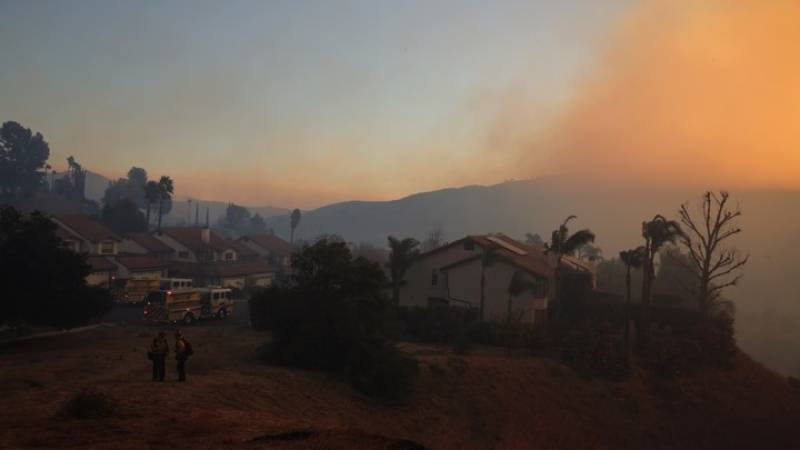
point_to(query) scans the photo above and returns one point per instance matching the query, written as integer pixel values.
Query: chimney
(205, 235)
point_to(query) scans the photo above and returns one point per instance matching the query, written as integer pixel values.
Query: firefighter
(158, 354)
(183, 349)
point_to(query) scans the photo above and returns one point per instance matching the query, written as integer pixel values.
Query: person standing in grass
(183, 349)
(158, 354)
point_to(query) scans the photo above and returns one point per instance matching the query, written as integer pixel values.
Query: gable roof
(100, 264)
(139, 262)
(86, 228)
(191, 238)
(530, 258)
(243, 250)
(270, 242)
(221, 269)
(149, 242)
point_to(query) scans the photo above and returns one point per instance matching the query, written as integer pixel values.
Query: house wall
(147, 274)
(418, 289)
(178, 247)
(98, 278)
(259, 280)
(130, 246)
(233, 282)
(464, 282)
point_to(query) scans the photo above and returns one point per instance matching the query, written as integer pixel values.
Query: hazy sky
(293, 103)
(302, 103)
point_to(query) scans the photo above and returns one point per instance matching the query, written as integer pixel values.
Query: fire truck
(188, 305)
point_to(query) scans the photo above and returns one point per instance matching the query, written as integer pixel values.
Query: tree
(518, 284)
(656, 233)
(133, 187)
(590, 252)
(563, 243)
(43, 282)
(151, 195)
(633, 259)
(295, 221)
(165, 190)
(715, 264)
(22, 156)
(488, 257)
(257, 224)
(332, 318)
(124, 217)
(433, 240)
(534, 239)
(402, 254)
(236, 218)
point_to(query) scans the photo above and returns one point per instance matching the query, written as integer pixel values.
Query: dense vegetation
(332, 318)
(43, 282)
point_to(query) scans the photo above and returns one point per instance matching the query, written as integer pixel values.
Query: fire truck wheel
(188, 319)
(222, 314)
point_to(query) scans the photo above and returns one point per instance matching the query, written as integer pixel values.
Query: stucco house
(270, 248)
(84, 235)
(143, 243)
(235, 274)
(451, 274)
(102, 271)
(139, 267)
(195, 244)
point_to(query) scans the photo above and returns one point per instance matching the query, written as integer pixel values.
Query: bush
(332, 318)
(89, 404)
(593, 349)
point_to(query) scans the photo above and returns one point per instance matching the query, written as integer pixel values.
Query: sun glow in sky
(304, 103)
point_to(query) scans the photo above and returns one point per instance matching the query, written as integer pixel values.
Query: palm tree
(516, 286)
(403, 253)
(151, 194)
(633, 259)
(165, 189)
(295, 221)
(562, 243)
(656, 233)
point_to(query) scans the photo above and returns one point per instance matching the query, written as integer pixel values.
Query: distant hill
(768, 305)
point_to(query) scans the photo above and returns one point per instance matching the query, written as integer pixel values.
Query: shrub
(593, 349)
(89, 404)
(332, 318)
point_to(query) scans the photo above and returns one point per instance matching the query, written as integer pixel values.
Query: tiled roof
(243, 250)
(220, 268)
(140, 262)
(271, 242)
(149, 243)
(191, 238)
(101, 264)
(87, 228)
(531, 258)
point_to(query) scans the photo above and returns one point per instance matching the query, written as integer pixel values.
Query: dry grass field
(484, 400)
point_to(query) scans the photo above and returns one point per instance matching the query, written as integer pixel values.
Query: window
(434, 277)
(228, 256)
(107, 247)
(183, 254)
(469, 245)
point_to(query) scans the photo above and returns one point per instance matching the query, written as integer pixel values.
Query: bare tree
(715, 264)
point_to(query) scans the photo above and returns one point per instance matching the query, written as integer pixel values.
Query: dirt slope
(482, 401)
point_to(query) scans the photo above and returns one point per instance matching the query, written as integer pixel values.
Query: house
(139, 266)
(84, 235)
(194, 244)
(451, 275)
(102, 271)
(142, 243)
(232, 274)
(270, 248)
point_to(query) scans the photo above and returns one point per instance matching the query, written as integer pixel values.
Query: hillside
(484, 400)
(767, 304)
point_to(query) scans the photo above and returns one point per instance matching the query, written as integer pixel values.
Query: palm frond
(577, 240)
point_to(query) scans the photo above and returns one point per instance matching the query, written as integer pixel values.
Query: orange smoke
(691, 92)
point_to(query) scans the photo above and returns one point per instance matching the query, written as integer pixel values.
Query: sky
(299, 103)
